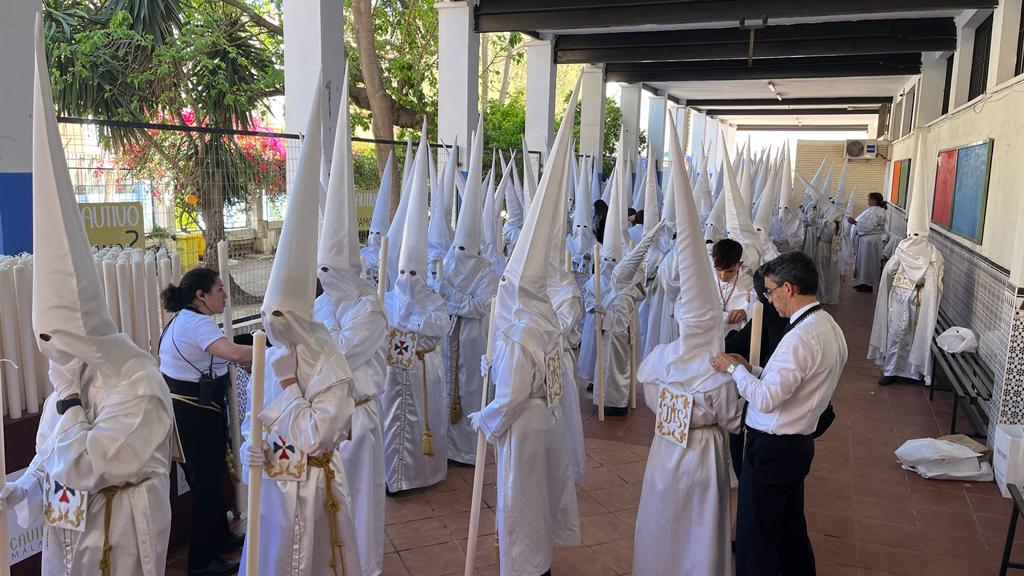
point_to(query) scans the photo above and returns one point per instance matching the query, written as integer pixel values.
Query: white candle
(252, 530)
(755, 334)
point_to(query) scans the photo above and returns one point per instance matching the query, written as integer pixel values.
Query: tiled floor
(865, 514)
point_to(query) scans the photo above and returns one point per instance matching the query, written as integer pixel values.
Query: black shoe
(886, 380)
(219, 567)
(231, 543)
(614, 411)
(862, 288)
(590, 387)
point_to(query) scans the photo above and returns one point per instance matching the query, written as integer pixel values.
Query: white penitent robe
(906, 311)
(297, 531)
(407, 412)
(121, 438)
(618, 347)
(809, 216)
(536, 508)
(661, 324)
(586, 367)
(569, 308)
(371, 257)
(736, 295)
(683, 522)
(868, 246)
(359, 327)
(464, 345)
(827, 259)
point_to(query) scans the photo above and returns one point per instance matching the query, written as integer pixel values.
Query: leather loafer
(232, 542)
(219, 567)
(886, 380)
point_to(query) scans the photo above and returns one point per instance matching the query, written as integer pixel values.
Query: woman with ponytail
(871, 230)
(194, 358)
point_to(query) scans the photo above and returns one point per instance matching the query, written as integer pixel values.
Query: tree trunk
(380, 109)
(505, 75)
(485, 77)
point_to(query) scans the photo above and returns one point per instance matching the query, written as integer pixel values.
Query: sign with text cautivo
(114, 224)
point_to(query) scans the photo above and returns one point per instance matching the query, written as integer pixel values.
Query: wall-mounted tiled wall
(978, 295)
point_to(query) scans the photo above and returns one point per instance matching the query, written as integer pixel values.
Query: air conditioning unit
(861, 149)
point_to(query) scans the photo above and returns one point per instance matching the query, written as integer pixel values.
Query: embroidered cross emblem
(64, 491)
(282, 449)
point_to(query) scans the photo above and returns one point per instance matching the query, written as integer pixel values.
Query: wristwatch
(731, 368)
(65, 405)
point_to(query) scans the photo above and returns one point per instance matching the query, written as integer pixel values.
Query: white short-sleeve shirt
(183, 354)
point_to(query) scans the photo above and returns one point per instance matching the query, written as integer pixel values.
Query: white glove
(485, 365)
(285, 365)
(474, 421)
(66, 378)
(251, 454)
(13, 493)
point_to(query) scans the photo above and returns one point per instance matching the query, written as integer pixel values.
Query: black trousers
(771, 532)
(203, 434)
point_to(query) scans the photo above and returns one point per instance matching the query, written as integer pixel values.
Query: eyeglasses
(768, 293)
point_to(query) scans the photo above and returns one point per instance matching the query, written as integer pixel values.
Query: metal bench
(967, 377)
(1008, 547)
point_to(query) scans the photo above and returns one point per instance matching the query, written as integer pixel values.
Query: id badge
(282, 460)
(402, 348)
(674, 410)
(64, 507)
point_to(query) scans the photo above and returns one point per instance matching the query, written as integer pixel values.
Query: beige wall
(867, 175)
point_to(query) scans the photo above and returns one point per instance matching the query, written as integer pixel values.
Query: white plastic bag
(957, 339)
(943, 460)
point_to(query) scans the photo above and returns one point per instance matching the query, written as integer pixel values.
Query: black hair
(175, 298)
(639, 220)
(794, 267)
(726, 253)
(879, 199)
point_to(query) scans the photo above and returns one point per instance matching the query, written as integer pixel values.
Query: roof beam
(790, 111)
(757, 102)
(802, 128)
(519, 15)
(823, 39)
(766, 68)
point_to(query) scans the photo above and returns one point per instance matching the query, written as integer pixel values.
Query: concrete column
(712, 129)
(629, 103)
(697, 137)
(658, 107)
(458, 75)
(680, 117)
(17, 63)
(592, 113)
(1003, 54)
(966, 22)
(314, 44)
(540, 95)
(730, 139)
(929, 92)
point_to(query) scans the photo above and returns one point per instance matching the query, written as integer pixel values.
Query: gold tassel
(456, 412)
(428, 437)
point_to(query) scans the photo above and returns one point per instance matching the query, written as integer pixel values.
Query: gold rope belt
(427, 441)
(323, 462)
(195, 402)
(108, 494)
(364, 401)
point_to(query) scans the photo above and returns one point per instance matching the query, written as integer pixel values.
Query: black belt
(207, 393)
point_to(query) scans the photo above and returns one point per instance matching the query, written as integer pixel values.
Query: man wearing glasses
(786, 400)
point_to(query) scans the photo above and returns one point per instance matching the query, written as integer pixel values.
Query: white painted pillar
(658, 107)
(540, 95)
(961, 82)
(16, 68)
(629, 103)
(712, 127)
(314, 42)
(1003, 54)
(929, 92)
(679, 115)
(592, 113)
(697, 136)
(730, 138)
(458, 75)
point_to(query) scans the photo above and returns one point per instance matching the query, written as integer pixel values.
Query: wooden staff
(234, 414)
(439, 271)
(382, 268)
(252, 523)
(755, 334)
(598, 335)
(5, 548)
(568, 261)
(481, 458)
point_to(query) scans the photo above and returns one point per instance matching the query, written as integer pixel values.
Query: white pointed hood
(338, 265)
(915, 252)
(70, 317)
(614, 246)
(686, 362)
(737, 214)
(288, 303)
(583, 239)
(398, 222)
(523, 309)
(469, 228)
(529, 178)
(833, 208)
(513, 198)
(439, 231)
(595, 178)
(412, 259)
(382, 206)
(488, 229)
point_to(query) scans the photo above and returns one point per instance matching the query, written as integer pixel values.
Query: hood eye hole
(45, 337)
(401, 271)
(412, 272)
(277, 313)
(503, 279)
(324, 269)
(462, 247)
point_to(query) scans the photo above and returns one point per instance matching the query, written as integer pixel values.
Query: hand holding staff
(252, 526)
(481, 457)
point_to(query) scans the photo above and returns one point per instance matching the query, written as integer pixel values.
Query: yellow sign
(365, 199)
(114, 224)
